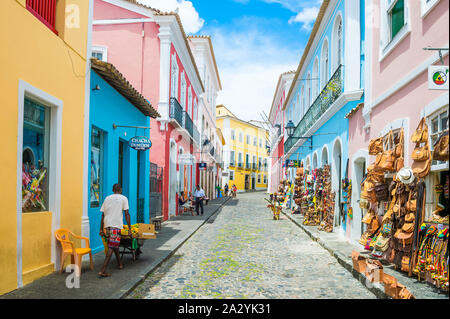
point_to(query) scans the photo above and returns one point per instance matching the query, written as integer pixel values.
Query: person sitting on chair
(181, 202)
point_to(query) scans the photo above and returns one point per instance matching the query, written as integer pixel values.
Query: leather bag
(408, 227)
(405, 238)
(385, 161)
(421, 133)
(374, 270)
(422, 168)
(392, 287)
(382, 243)
(411, 204)
(398, 149)
(441, 149)
(421, 153)
(405, 294)
(376, 146)
(381, 192)
(359, 262)
(410, 218)
(399, 163)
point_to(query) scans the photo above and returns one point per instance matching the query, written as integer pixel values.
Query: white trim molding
(54, 201)
(425, 7)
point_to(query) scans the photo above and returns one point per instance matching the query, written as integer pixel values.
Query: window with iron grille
(45, 11)
(438, 126)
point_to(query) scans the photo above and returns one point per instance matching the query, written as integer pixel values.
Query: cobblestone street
(243, 253)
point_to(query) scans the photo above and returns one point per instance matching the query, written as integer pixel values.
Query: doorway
(123, 173)
(336, 182)
(253, 182)
(247, 182)
(172, 178)
(359, 166)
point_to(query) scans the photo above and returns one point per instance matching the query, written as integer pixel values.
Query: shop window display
(35, 155)
(97, 149)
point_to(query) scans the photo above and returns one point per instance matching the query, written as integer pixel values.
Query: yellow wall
(55, 64)
(237, 146)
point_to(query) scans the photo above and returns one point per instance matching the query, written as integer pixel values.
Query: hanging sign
(202, 166)
(438, 77)
(140, 143)
(292, 163)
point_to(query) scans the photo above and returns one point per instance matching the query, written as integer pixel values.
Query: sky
(254, 42)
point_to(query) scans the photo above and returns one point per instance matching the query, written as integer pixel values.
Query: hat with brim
(406, 175)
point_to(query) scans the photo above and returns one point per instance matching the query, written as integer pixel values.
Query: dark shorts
(113, 237)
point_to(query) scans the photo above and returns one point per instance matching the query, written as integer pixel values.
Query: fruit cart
(132, 246)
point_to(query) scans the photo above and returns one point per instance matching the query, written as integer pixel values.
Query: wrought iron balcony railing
(330, 93)
(188, 124)
(176, 111)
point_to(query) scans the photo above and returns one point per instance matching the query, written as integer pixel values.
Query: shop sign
(140, 143)
(438, 77)
(292, 163)
(185, 159)
(202, 166)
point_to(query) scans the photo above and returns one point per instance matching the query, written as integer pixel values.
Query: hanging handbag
(399, 163)
(381, 192)
(398, 150)
(410, 218)
(376, 146)
(408, 227)
(385, 161)
(420, 153)
(441, 149)
(422, 168)
(386, 230)
(411, 203)
(421, 133)
(382, 243)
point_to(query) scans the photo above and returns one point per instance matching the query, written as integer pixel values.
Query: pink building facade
(277, 119)
(152, 50)
(397, 93)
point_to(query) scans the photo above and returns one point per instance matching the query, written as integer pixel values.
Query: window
(232, 158)
(247, 161)
(396, 16)
(259, 178)
(233, 137)
(255, 141)
(265, 179)
(324, 75)
(390, 144)
(97, 149)
(337, 43)
(240, 164)
(438, 126)
(35, 155)
(248, 139)
(260, 142)
(427, 5)
(174, 78)
(194, 116)
(259, 162)
(240, 137)
(183, 91)
(302, 101)
(190, 102)
(45, 11)
(315, 79)
(308, 91)
(231, 175)
(100, 53)
(254, 162)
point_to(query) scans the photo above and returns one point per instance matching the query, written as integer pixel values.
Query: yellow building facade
(44, 93)
(245, 154)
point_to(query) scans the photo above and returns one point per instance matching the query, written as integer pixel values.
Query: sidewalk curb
(125, 291)
(377, 289)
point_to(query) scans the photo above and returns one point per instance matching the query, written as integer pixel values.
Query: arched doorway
(336, 177)
(315, 161)
(324, 156)
(172, 178)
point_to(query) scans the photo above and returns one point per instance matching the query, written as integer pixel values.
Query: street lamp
(290, 128)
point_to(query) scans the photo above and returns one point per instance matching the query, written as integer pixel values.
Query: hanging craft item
(421, 155)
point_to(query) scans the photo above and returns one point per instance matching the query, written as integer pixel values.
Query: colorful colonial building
(45, 85)
(245, 152)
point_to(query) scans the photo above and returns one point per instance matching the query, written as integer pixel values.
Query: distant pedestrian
(233, 190)
(112, 223)
(199, 196)
(226, 189)
(218, 189)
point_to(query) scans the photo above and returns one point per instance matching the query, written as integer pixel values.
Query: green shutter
(397, 17)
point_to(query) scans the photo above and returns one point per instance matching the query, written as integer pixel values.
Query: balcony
(188, 124)
(330, 93)
(176, 111)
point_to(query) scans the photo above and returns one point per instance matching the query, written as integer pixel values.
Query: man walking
(199, 195)
(226, 189)
(112, 223)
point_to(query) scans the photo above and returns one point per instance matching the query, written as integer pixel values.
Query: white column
(164, 77)
(352, 50)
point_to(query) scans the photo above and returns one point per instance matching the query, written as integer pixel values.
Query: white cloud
(307, 17)
(192, 23)
(250, 62)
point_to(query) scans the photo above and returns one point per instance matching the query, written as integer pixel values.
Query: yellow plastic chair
(68, 249)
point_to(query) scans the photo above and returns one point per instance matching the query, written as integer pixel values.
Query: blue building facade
(111, 158)
(327, 85)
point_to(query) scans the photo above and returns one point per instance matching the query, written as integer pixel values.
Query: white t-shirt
(113, 208)
(199, 193)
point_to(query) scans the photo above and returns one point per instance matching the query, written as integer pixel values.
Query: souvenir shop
(313, 197)
(406, 208)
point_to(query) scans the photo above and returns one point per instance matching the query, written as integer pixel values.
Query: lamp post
(290, 128)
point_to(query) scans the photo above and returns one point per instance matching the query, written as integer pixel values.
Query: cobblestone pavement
(244, 253)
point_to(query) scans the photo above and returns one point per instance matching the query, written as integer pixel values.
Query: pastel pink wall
(104, 11)
(432, 30)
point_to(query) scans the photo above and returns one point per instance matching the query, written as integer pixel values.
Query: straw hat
(405, 175)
